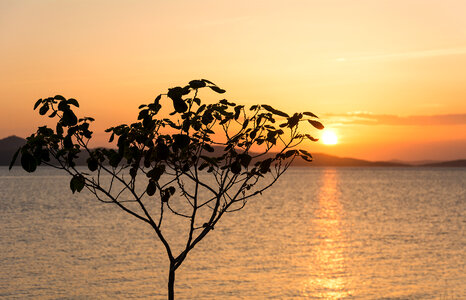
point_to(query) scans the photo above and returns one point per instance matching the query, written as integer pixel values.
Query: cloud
(367, 118)
(406, 55)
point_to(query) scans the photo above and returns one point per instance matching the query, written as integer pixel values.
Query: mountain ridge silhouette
(10, 144)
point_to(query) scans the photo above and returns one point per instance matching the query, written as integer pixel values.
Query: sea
(318, 233)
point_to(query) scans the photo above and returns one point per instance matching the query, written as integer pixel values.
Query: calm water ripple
(319, 233)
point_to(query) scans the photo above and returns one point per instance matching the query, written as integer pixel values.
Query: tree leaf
(92, 164)
(196, 84)
(179, 105)
(59, 129)
(207, 81)
(235, 167)
(311, 138)
(294, 120)
(275, 111)
(114, 159)
(207, 117)
(237, 111)
(13, 159)
(151, 188)
(186, 125)
(245, 124)
(171, 190)
(67, 142)
(306, 158)
(28, 162)
(203, 166)
(59, 97)
(290, 153)
(38, 102)
(162, 151)
(69, 118)
(73, 102)
(44, 109)
(316, 124)
(307, 113)
(133, 171)
(167, 193)
(209, 160)
(245, 159)
(181, 140)
(62, 106)
(165, 196)
(45, 155)
(226, 102)
(264, 166)
(208, 148)
(143, 113)
(253, 133)
(305, 155)
(217, 89)
(77, 183)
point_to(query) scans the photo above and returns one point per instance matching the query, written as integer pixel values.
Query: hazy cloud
(406, 55)
(367, 118)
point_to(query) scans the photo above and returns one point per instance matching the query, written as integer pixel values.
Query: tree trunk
(171, 282)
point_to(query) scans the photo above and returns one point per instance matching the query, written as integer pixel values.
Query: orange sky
(388, 76)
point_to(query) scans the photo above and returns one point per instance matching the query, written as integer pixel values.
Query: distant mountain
(9, 145)
(460, 163)
(414, 162)
(325, 160)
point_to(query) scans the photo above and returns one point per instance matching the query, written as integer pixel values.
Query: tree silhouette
(196, 164)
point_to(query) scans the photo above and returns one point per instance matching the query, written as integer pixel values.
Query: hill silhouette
(9, 145)
(448, 164)
(325, 160)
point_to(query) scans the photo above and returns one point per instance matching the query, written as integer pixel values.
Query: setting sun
(329, 137)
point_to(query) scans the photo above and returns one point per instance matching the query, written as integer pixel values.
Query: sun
(329, 137)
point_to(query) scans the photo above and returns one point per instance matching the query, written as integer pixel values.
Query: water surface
(319, 233)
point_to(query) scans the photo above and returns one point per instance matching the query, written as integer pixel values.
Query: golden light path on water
(329, 258)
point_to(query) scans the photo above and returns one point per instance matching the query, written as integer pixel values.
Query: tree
(196, 164)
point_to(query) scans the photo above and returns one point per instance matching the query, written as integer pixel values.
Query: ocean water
(319, 233)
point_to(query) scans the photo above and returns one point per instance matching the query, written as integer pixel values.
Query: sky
(388, 77)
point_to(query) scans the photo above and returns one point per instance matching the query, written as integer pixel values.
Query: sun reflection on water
(328, 276)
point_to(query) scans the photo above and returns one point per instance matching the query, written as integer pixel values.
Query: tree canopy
(197, 163)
